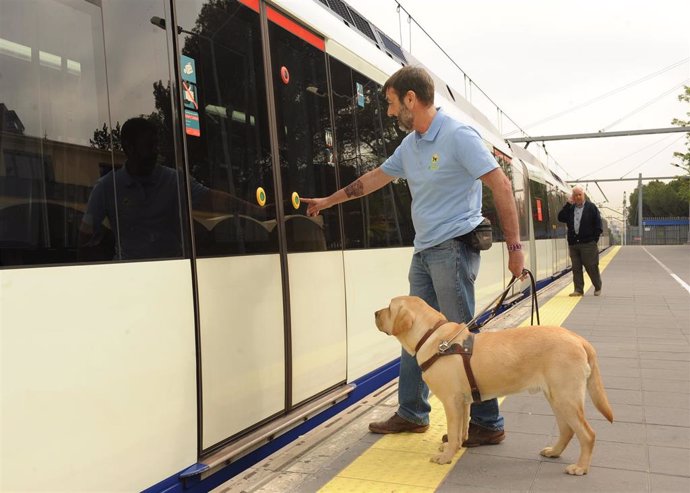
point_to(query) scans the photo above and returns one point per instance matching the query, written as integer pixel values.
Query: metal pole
(639, 209)
(625, 222)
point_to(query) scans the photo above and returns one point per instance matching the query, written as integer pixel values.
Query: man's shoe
(478, 435)
(396, 424)
(575, 293)
(597, 292)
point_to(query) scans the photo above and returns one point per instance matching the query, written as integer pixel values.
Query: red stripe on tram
(296, 29)
(252, 4)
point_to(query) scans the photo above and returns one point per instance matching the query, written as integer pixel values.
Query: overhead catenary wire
(625, 157)
(653, 156)
(605, 95)
(648, 103)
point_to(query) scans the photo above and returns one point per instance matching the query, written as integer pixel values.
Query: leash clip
(443, 347)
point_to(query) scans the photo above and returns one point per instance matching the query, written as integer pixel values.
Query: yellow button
(295, 200)
(261, 196)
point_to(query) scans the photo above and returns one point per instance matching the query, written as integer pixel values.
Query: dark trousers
(585, 255)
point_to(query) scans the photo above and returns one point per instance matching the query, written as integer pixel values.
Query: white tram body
(121, 372)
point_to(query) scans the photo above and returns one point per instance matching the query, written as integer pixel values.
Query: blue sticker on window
(360, 95)
(188, 69)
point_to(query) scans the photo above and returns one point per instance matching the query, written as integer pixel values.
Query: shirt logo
(434, 162)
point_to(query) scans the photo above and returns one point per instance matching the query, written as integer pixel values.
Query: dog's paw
(576, 470)
(549, 452)
(444, 458)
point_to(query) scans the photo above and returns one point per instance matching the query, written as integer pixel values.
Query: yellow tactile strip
(400, 463)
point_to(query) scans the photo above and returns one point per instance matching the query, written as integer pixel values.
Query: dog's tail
(595, 387)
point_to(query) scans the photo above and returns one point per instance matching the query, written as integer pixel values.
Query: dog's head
(396, 318)
(407, 318)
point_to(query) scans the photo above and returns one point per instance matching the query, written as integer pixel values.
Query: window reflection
(231, 152)
(52, 97)
(365, 138)
(305, 138)
(540, 211)
(520, 184)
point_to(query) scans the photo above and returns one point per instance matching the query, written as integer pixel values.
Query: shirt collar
(432, 131)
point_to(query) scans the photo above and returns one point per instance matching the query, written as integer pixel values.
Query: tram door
(270, 312)
(314, 249)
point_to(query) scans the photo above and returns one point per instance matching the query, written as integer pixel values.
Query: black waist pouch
(480, 238)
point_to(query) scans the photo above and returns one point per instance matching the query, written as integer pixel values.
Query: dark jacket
(590, 224)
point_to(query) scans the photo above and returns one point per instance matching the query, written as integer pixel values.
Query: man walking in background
(584, 228)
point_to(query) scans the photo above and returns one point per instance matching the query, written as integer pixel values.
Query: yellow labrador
(551, 359)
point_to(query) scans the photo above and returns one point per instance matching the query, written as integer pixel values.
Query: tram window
(559, 198)
(70, 192)
(554, 208)
(227, 138)
(520, 192)
(488, 206)
(380, 219)
(52, 97)
(305, 138)
(540, 216)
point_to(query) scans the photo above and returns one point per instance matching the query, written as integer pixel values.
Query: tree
(684, 156)
(661, 200)
(105, 139)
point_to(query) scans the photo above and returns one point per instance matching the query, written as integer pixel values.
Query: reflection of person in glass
(145, 218)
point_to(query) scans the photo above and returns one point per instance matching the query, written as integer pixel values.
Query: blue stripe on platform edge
(364, 386)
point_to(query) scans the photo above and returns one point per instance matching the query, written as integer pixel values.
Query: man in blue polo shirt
(444, 163)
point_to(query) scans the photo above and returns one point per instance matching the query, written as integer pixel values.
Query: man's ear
(402, 322)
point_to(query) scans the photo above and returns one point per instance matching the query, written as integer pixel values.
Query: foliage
(661, 200)
(684, 156)
(106, 140)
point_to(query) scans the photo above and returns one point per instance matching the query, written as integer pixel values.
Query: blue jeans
(443, 276)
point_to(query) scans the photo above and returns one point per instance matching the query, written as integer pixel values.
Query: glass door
(238, 268)
(314, 248)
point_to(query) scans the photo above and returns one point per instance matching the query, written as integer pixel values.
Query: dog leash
(474, 326)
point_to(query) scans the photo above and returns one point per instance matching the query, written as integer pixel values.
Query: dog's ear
(402, 322)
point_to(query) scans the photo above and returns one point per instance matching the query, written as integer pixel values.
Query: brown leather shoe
(396, 424)
(576, 293)
(479, 435)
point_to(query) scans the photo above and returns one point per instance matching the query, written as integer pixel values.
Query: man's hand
(314, 206)
(516, 263)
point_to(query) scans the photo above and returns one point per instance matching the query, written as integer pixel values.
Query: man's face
(400, 111)
(146, 150)
(578, 197)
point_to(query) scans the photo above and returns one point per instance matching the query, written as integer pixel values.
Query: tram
(157, 328)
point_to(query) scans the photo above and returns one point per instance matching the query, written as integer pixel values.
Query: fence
(659, 231)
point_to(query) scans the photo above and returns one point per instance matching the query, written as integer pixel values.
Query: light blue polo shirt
(143, 212)
(442, 167)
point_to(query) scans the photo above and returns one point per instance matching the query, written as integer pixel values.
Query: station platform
(640, 327)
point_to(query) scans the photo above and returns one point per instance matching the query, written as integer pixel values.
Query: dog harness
(464, 350)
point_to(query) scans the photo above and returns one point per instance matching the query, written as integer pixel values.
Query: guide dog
(554, 360)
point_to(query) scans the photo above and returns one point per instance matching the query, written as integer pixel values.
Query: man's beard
(405, 119)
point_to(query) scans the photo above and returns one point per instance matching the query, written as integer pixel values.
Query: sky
(562, 67)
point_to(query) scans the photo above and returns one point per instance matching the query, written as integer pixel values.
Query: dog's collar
(428, 334)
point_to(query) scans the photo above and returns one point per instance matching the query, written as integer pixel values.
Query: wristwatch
(514, 247)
